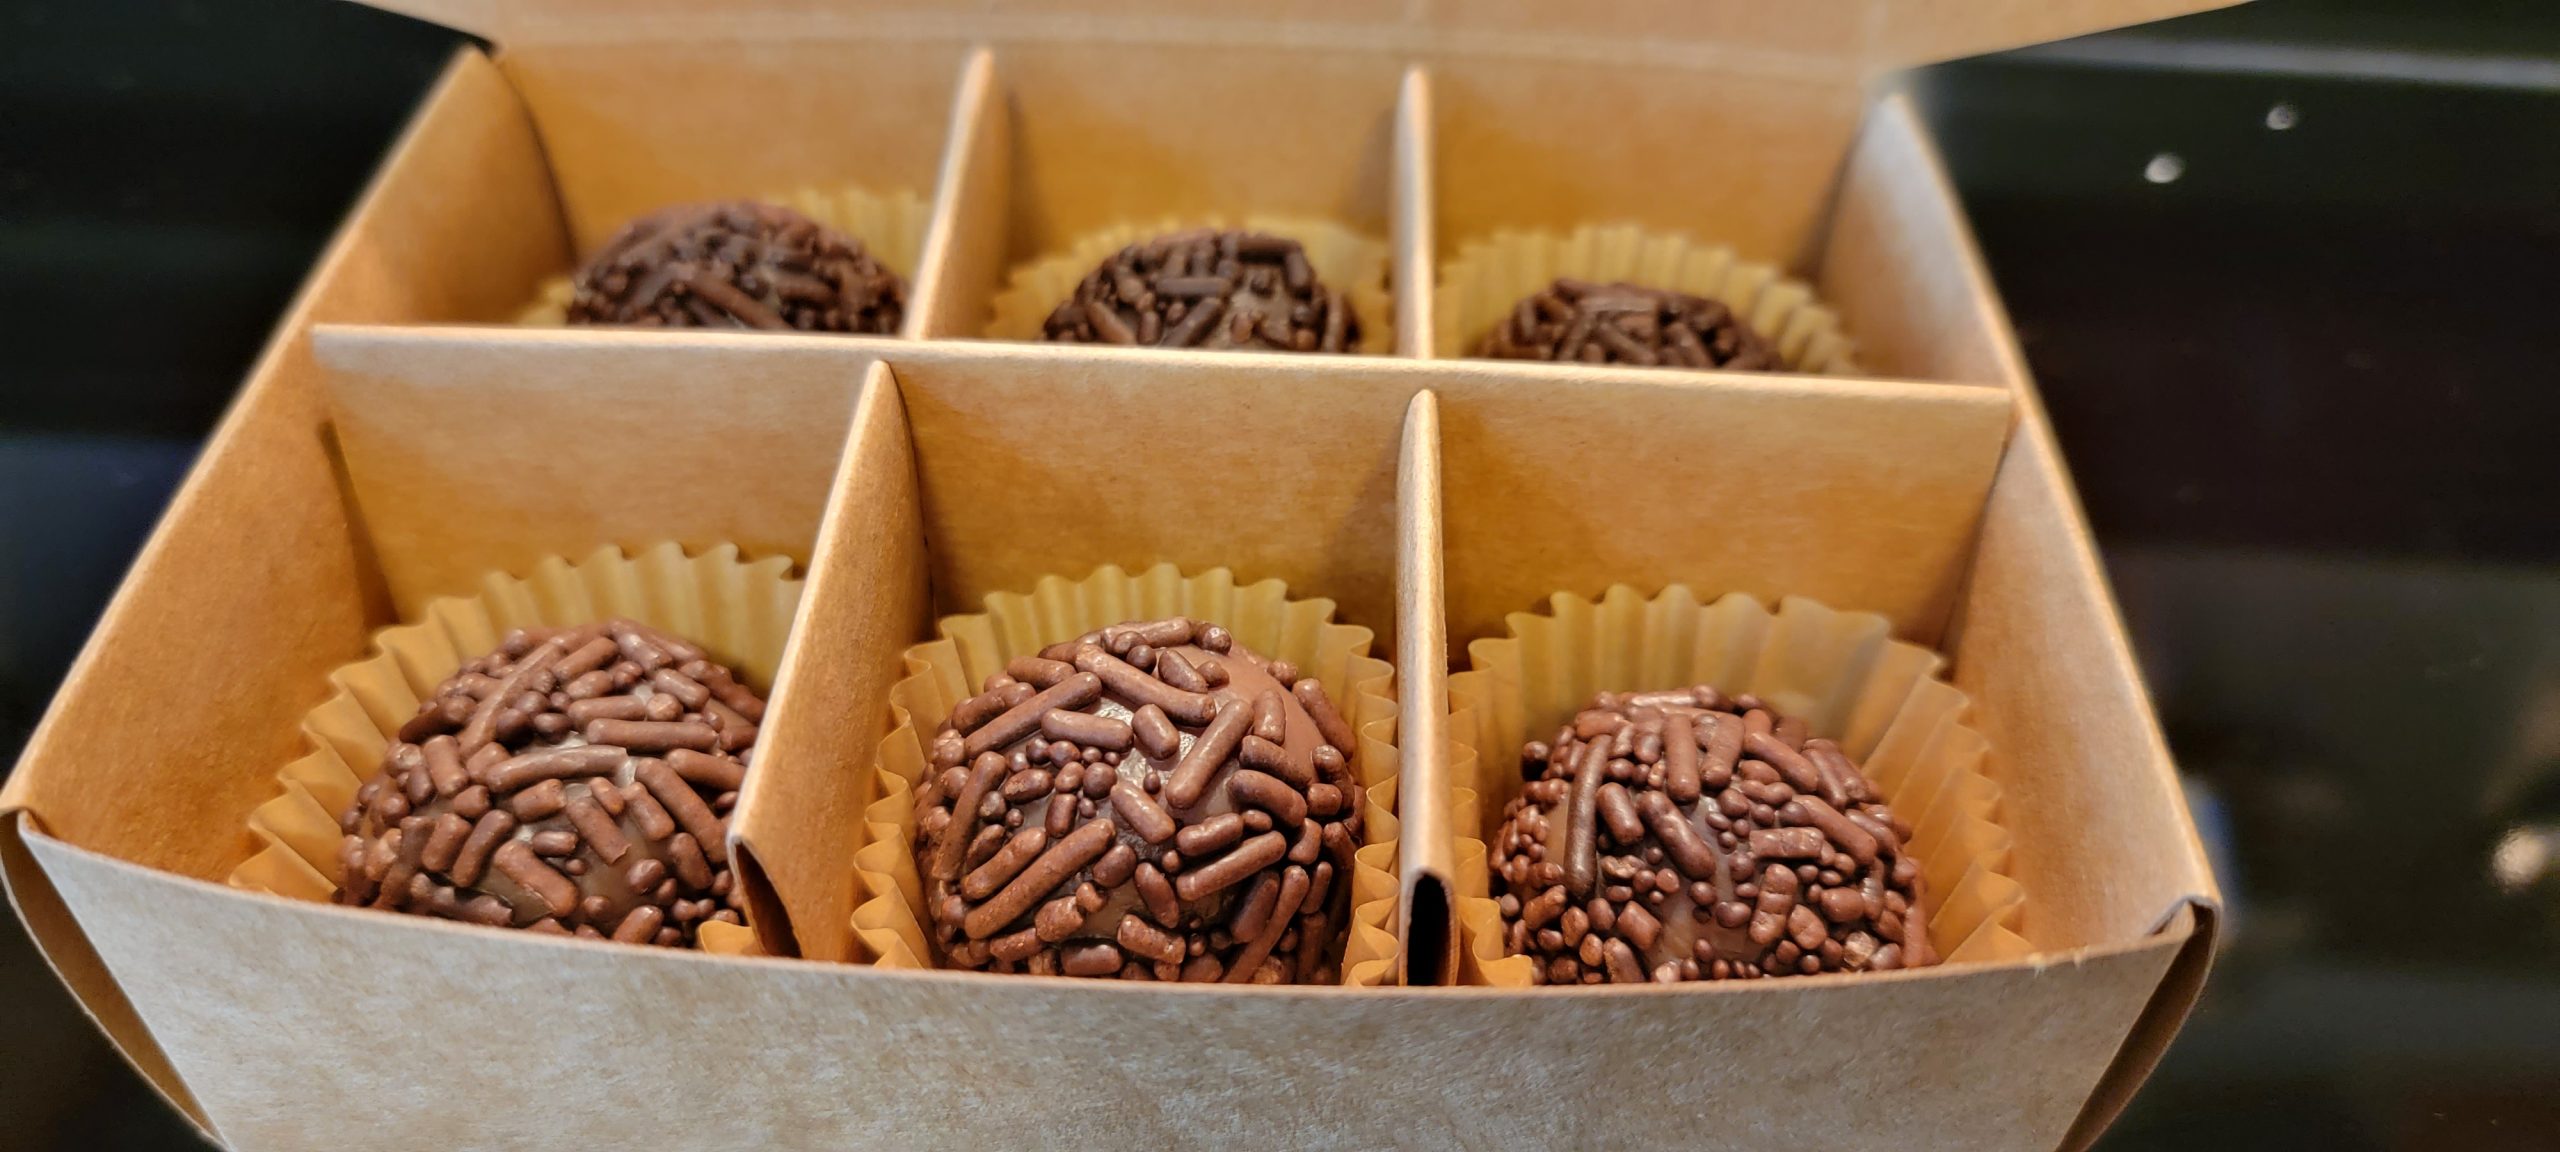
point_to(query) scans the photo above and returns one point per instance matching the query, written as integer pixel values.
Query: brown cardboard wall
(467, 459)
(1037, 462)
(634, 127)
(1111, 133)
(1861, 496)
(1898, 263)
(1737, 158)
(2053, 693)
(802, 1055)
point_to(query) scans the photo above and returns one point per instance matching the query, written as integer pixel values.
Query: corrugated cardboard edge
(48, 921)
(2200, 913)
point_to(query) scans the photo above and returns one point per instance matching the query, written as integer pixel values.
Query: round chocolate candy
(737, 264)
(1150, 801)
(1685, 835)
(1574, 321)
(1208, 289)
(576, 780)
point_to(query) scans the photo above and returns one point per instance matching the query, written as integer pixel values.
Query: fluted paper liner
(737, 610)
(1345, 261)
(1489, 277)
(890, 226)
(1843, 672)
(889, 923)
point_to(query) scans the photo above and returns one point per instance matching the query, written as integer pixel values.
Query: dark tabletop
(2289, 276)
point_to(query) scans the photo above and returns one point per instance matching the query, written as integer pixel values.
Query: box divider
(1427, 928)
(963, 252)
(1415, 257)
(864, 602)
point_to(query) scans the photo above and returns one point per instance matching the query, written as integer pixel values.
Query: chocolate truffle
(1208, 289)
(1684, 835)
(1151, 801)
(1578, 321)
(575, 781)
(737, 264)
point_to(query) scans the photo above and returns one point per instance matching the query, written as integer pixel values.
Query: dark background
(2307, 387)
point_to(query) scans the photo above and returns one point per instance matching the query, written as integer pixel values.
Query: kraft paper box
(399, 439)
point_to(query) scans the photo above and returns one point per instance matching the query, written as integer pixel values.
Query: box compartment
(820, 1055)
(1112, 133)
(1781, 169)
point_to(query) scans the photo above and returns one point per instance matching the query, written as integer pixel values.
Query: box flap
(1868, 37)
(75, 961)
(2200, 918)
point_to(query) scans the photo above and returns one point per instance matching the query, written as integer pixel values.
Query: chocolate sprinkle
(1684, 835)
(1579, 321)
(737, 264)
(1105, 824)
(1208, 289)
(576, 780)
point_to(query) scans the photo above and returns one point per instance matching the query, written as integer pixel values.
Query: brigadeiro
(737, 264)
(574, 781)
(1577, 321)
(1151, 801)
(1685, 835)
(1243, 291)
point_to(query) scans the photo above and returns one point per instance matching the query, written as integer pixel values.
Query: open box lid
(1864, 38)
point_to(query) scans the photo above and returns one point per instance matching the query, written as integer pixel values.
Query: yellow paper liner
(889, 924)
(1843, 672)
(737, 610)
(1346, 261)
(890, 226)
(1490, 276)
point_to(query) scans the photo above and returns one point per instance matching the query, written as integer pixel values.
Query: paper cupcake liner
(737, 610)
(1489, 277)
(1843, 672)
(890, 226)
(1346, 261)
(889, 923)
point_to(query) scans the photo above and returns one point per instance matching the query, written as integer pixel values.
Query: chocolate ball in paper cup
(1268, 284)
(558, 752)
(1144, 775)
(812, 260)
(1655, 789)
(1622, 294)
(574, 781)
(1148, 800)
(1684, 834)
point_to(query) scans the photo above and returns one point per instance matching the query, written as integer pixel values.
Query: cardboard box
(376, 462)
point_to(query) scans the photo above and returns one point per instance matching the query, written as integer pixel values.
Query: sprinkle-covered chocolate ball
(1576, 321)
(1150, 801)
(1684, 835)
(737, 264)
(576, 780)
(1208, 289)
